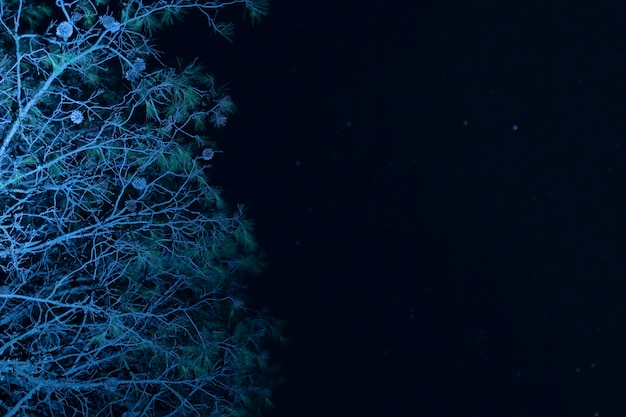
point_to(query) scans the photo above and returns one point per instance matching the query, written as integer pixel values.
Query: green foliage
(257, 9)
(176, 95)
(89, 12)
(33, 14)
(152, 22)
(177, 160)
(196, 361)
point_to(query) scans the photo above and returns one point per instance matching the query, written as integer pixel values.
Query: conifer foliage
(121, 266)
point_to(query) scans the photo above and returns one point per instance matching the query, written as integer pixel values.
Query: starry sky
(440, 188)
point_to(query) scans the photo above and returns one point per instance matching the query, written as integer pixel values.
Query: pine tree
(121, 265)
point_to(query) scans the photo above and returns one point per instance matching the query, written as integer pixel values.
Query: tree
(120, 284)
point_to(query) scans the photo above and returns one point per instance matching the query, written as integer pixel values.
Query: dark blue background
(441, 191)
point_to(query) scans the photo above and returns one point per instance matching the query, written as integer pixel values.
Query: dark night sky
(441, 191)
